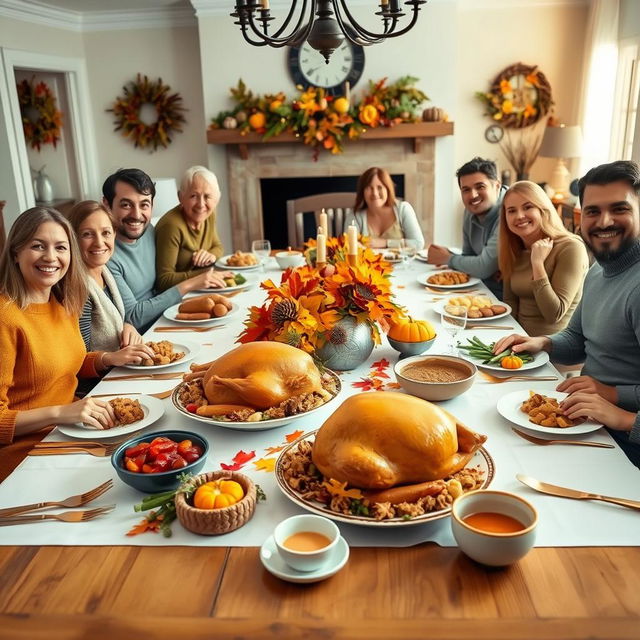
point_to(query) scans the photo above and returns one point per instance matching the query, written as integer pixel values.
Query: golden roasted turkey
(258, 375)
(380, 440)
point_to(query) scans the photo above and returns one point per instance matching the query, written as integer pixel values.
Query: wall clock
(493, 133)
(308, 68)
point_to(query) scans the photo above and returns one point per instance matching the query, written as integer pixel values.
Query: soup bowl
(286, 259)
(491, 540)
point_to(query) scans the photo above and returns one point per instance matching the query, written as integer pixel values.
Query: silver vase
(43, 187)
(348, 345)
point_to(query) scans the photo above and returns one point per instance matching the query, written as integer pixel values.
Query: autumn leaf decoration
(169, 113)
(339, 489)
(41, 119)
(238, 461)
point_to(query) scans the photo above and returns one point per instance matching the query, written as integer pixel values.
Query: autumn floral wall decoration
(41, 118)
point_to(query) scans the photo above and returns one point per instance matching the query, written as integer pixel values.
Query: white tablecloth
(562, 522)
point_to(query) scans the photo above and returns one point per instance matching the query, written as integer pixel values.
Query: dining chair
(336, 205)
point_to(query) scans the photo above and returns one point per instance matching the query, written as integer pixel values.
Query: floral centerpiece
(41, 119)
(319, 119)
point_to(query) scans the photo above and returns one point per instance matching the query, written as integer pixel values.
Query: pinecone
(283, 311)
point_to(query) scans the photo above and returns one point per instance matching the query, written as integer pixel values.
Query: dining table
(90, 580)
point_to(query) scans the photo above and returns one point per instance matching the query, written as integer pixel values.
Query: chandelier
(324, 24)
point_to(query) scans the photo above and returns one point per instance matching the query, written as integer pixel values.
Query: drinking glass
(262, 248)
(408, 249)
(454, 320)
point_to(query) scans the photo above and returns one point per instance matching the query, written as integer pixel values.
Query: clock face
(494, 133)
(308, 68)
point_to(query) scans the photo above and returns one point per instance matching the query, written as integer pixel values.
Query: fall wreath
(518, 96)
(168, 106)
(41, 120)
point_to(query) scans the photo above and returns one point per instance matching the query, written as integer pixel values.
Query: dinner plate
(509, 408)
(422, 255)
(245, 285)
(264, 425)
(190, 350)
(153, 410)
(171, 312)
(423, 277)
(389, 256)
(438, 307)
(539, 359)
(481, 459)
(224, 264)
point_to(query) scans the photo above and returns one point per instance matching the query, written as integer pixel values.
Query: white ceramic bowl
(493, 549)
(306, 560)
(436, 391)
(287, 259)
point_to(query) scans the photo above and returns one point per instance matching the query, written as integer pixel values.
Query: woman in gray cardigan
(379, 215)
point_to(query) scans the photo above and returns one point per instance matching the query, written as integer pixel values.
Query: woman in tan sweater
(542, 264)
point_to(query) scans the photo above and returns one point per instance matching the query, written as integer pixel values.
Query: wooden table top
(416, 592)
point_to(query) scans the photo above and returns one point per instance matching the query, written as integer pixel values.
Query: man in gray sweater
(482, 195)
(604, 331)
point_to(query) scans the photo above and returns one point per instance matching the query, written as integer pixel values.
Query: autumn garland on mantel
(41, 120)
(320, 120)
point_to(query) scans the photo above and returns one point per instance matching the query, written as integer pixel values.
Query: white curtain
(601, 62)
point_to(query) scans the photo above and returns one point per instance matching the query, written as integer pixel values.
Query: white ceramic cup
(493, 549)
(286, 259)
(306, 560)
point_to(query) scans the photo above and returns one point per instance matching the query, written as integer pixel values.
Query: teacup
(319, 535)
(286, 259)
(495, 528)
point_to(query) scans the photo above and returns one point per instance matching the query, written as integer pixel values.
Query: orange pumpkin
(511, 362)
(218, 494)
(257, 120)
(410, 330)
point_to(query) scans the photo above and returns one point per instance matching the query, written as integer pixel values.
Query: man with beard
(481, 194)
(604, 331)
(129, 195)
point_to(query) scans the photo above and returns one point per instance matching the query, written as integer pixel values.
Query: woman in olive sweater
(542, 264)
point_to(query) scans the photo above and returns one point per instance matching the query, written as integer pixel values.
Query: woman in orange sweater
(42, 292)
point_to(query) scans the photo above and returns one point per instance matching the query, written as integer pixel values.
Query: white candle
(324, 223)
(321, 249)
(347, 91)
(265, 4)
(352, 240)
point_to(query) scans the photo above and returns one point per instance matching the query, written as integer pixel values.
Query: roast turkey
(380, 440)
(259, 375)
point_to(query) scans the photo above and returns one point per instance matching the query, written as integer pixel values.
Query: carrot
(197, 305)
(193, 316)
(210, 410)
(405, 493)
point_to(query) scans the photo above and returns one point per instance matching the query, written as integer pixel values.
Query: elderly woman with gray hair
(187, 240)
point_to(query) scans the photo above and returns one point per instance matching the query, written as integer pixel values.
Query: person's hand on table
(209, 279)
(132, 354)
(93, 413)
(519, 343)
(202, 258)
(438, 255)
(591, 405)
(587, 384)
(129, 335)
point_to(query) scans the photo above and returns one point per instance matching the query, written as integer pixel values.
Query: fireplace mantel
(406, 149)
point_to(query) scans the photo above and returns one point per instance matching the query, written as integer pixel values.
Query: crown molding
(482, 5)
(209, 8)
(111, 20)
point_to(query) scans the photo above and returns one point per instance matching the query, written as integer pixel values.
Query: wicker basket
(212, 522)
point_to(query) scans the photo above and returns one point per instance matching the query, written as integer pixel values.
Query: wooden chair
(3, 234)
(336, 205)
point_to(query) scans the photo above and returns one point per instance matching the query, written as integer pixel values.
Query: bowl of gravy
(495, 528)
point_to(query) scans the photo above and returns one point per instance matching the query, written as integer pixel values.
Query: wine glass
(454, 320)
(262, 248)
(408, 249)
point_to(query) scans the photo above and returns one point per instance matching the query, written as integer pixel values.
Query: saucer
(274, 564)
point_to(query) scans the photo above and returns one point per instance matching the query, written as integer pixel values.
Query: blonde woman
(542, 264)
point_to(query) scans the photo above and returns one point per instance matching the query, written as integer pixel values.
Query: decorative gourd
(218, 494)
(511, 362)
(433, 114)
(410, 330)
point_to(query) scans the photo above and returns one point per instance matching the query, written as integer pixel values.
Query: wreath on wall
(41, 119)
(518, 96)
(168, 106)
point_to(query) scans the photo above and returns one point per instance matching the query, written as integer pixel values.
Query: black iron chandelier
(324, 24)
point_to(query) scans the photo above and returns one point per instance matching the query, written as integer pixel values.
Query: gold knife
(147, 376)
(543, 441)
(564, 492)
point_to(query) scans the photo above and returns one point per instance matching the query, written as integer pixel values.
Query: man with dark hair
(129, 195)
(604, 331)
(482, 195)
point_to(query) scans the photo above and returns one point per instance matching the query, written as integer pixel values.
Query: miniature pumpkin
(410, 330)
(229, 122)
(433, 114)
(218, 494)
(511, 362)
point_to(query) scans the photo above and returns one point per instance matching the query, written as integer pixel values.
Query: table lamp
(561, 142)
(166, 197)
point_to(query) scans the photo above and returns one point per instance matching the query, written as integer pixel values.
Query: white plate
(222, 263)
(386, 252)
(153, 410)
(422, 255)
(539, 359)
(190, 350)
(171, 312)
(272, 561)
(509, 408)
(264, 425)
(423, 277)
(245, 285)
(438, 307)
(481, 459)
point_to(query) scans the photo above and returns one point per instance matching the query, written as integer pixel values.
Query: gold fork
(160, 395)
(99, 452)
(72, 501)
(67, 516)
(492, 378)
(584, 443)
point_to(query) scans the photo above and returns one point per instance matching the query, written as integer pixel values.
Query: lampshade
(561, 142)
(166, 197)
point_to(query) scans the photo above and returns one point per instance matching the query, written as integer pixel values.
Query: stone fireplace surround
(407, 149)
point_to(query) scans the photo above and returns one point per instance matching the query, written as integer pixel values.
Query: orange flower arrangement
(41, 119)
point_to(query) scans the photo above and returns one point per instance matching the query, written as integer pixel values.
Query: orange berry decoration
(257, 120)
(218, 494)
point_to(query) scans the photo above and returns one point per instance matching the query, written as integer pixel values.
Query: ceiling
(83, 6)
